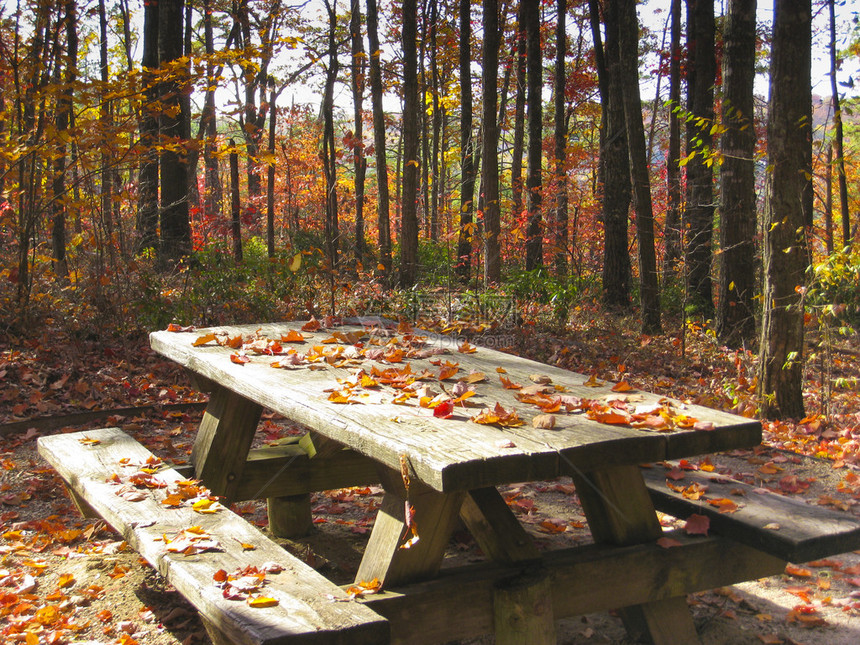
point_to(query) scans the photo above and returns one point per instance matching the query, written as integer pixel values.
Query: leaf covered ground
(67, 579)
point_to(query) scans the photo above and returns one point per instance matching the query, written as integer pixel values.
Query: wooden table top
(347, 383)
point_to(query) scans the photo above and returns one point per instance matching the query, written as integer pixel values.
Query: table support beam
(619, 511)
(435, 519)
(223, 441)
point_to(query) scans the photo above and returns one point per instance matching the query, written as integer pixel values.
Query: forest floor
(64, 579)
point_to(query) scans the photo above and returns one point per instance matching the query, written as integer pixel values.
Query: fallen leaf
(262, 602)
(697, 524)
(544, 421)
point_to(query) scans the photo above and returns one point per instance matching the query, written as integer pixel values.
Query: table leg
(435, 518)
(223, 441)
(290, 515)
(619, 511)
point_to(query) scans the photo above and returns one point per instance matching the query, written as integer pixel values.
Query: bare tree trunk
(437, 123)
(672, 228)
(411, 163)
(613, 184)
(785, 246)
(737, 283)
(628, 42)
(358, 67)
(63, 122)
(270, 176)
(700, 173)
(519, 118)
(147, 203)
(839, 136)
(490, 143)
(467, 169)
(828, 201)
(174, 125)
(560, 141)
(235, 204)
(534, 182)
(383, 219)
(328, 152)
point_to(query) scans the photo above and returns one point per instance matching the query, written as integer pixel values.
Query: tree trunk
(737, 284)
(383, 219)
(700, 174)
(270, 176)
(329, 153)
(235, 204)
(467, 169)
(785, 247)
(828, 201)
(560, 141)
(628, 45)
(613, 182)
(411, 163)
(519, 120)
(174, 124)
(147, 181)
(63, 122)
(436, 123)
(106, 123)
(358, 67)
(672, 227)
(490, 143)
(534, 181)
(213, 191)
(838, 137)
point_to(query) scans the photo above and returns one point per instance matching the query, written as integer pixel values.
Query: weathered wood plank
(458, 604)
(305, 613)
(283, 470)
(455, 453)
(805, 531)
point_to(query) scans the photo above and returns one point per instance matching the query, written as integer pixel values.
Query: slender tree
(147, 178)
(358, 69)
(519, 117)
(490, 143)
(174, 124)
(467, 169)
(560, 140)
(672, 227)
(534, 180)
(382, 207)
(613, 183)
(328, 152)
(699, 215)
(411, 163)
(786, 218)
(838, 135)
(628, 45)
(737, 284)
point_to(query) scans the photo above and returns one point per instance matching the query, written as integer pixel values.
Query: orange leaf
(697, 524)
(798, 572)
(66, 580)
(292, 337)
(448, 371)
(239, 359)
(312, 325)
(593, 382)
(509, 384)
(202, 340)
(466, 348)
(622, 386)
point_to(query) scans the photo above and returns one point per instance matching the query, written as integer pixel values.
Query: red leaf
(697, 524)
(444, 410)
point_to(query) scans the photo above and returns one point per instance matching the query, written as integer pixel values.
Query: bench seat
(786, 527)
(310, 608)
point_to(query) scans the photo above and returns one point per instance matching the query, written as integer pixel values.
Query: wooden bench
(785, 527)
(310, 608)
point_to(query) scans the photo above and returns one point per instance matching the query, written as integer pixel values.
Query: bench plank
(806, 532)
(306, 613)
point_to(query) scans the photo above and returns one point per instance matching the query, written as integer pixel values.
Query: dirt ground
(99, 591)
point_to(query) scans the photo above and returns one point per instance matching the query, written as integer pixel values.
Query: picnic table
(441, 423)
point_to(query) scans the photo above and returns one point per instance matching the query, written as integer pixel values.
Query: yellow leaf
(295, 263)
(262, 601)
